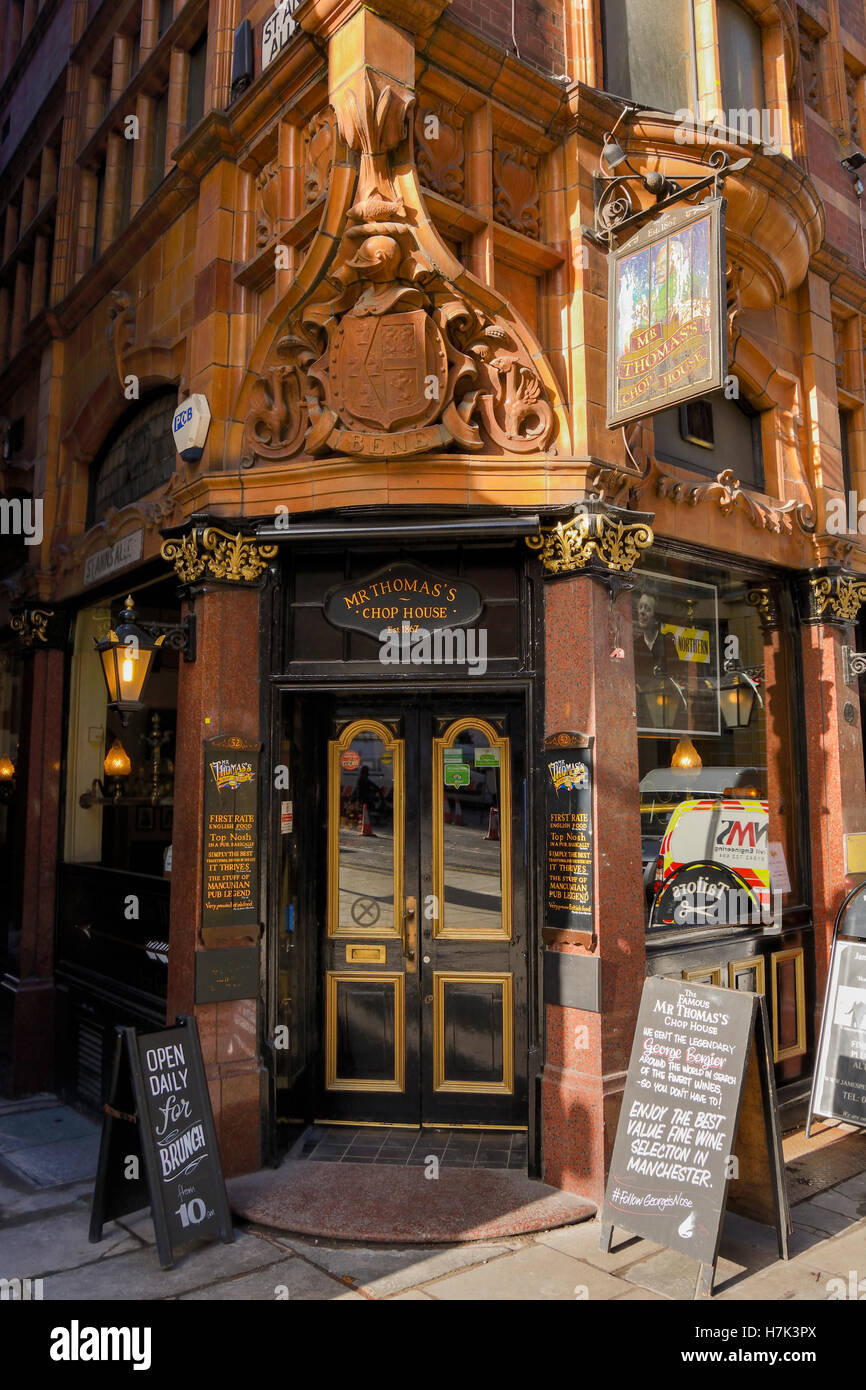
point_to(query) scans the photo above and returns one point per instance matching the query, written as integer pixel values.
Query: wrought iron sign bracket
(181, 637)
(853, 665)
(614, 209)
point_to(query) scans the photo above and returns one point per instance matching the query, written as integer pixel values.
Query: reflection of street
(472, 889)
(366, 872)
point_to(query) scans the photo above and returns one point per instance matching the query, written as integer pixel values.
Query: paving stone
(38, 1248)
(296, 1281)
(139, 1224)
(20, 1202)
(383, 1271)
(853, 1187)
(781, 1282)
(675, 1276)
(839, 1254)
(139, 1276)
(532, 1274)
(413, 1296)
(640, 1296)
(835, 1201)
(821, 1218)
(54, 1165)
(581, 1242)
(48, 1126)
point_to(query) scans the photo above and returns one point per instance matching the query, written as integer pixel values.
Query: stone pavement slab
(55, 1164)
(839, 1254)
(820, 1218)
(675, 1276)
(139, 1276)
(27, 1129)
(19, 1202)
(293, 1279)
(780, 1283)
(836, 1201)
(40, 1248)
(383, 1272)
(534, 1273)
(581, 1242)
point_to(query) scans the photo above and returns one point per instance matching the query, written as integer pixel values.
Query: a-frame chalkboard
(698, 1128)
(159, 1144)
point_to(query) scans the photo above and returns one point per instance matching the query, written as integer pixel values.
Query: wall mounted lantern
(127, 655)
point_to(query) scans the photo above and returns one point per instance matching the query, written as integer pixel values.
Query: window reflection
(471, 775)
(366, 833)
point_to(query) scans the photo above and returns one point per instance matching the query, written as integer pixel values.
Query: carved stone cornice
(596, 539)
(40, 627)
(209, 553)
(830, 596)
(726, 492)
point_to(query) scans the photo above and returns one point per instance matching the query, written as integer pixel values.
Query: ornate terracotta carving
(810, 47)
(267, 202)
(318, 154)
(516, 193)
(386, 355)
(440, 149)
(596, 538)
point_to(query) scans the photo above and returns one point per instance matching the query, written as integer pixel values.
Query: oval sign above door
(402, 593)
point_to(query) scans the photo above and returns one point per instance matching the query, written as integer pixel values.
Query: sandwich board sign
(158, 1141)
(839, 1083)
(698, 1128)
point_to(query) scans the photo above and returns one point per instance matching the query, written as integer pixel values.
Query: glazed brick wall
(36, 82)
(538, 28)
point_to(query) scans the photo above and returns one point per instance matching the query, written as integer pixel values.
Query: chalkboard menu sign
(230, 895)
(680, 1150)
(839, 1084)
(567, 770)
(159, 1120)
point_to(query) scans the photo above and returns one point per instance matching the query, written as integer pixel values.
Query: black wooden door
(424, 988)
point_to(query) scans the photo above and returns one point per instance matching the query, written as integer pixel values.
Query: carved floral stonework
(835, 598)
(852, 83)
(440, 149)
(267, 202)
(516, 192)
(318, 155)
(810, 50)
(386, 355)
(232, 558)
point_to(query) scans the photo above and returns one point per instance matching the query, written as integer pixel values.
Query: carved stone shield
(387, 372)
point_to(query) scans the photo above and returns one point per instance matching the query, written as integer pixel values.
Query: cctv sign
(189, 426)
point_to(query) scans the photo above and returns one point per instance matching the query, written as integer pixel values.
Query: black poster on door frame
(839, 1082)
(230, 841)
(698, 1125)
(568, 831)
(159, 1145)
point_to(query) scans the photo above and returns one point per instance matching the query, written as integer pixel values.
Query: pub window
(741, 67)
(158, 129)
(711, 434)
(717, 750)
(649, 52)
(137, 457)
(195, 82)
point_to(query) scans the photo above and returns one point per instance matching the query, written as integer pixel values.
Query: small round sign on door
(350, 761)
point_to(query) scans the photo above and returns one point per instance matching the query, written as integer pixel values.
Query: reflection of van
(732, 832)
(664, 789)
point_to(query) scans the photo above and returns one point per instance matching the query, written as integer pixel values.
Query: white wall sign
(189, 426)
(278, 29)
(114, 557)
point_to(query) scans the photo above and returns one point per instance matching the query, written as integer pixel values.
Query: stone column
(587, 618)
(218, 694)
(829, 601)
(28, 985)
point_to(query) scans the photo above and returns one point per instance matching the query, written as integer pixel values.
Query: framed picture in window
(676, 656)
(145, 819)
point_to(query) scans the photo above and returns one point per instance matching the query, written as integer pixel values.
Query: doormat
(388, 1204)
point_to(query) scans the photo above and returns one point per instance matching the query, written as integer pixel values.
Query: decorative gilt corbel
(211, 553)
(831, 596)
(598, 539)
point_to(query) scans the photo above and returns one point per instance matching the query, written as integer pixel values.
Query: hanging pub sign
(230, 897)
(402, 593)
(567, 770)
(158, 1141)
(667, 320)
(839, 1084)
(698, 1126)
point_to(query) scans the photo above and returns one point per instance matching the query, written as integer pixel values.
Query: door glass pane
(366, 785)
(471, 808)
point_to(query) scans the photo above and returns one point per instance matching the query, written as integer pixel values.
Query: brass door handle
(410, 931)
